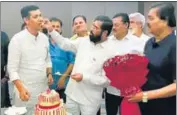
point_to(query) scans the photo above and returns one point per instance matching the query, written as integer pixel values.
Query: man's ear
(26, 20)
(166, 21)
(127, 25)
(105, 32)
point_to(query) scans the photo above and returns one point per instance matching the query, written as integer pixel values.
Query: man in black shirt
(5, 100)
(159, 92)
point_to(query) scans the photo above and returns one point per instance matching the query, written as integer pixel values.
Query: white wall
(11, 18)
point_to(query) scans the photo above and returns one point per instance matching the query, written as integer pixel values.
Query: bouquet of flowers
(127, 73)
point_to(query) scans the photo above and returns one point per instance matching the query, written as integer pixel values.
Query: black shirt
(162, 62)
(162, 72)
(4, 51)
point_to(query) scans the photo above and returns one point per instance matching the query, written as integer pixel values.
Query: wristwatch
(145, 97)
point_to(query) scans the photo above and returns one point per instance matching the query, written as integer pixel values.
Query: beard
(45, 31)
(94, 38)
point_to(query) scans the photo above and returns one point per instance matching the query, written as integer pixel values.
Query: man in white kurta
(28, 60)
(85, 95)
(27, 63)
(121, 43)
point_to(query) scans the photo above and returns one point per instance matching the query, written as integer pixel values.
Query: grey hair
(138, 17)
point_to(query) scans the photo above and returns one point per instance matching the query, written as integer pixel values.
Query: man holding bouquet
(121, 43)
(159, 92)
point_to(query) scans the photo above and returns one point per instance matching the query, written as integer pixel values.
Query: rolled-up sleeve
(14, 55)
(99, 79)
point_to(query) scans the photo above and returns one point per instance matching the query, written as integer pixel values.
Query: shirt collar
(100, 45)
(75, 36)
(127, 37)
(31, 35)
(142, 35)
(164, 40)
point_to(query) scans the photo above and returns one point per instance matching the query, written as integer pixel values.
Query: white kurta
(89, 62)
(142, 41)
(28, 59)
(128, 44)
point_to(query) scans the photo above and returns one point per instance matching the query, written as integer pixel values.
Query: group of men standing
(34, 58)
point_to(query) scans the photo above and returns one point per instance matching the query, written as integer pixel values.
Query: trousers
(76, 109)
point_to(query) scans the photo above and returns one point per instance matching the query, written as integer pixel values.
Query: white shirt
(28, 58)
(89, 62)
(128, 44)
(144, 37)
(142, 41)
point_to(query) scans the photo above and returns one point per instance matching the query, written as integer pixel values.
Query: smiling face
(79, 25)
(34, 20)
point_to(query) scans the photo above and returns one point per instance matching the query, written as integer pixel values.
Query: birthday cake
(49, 104)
